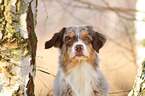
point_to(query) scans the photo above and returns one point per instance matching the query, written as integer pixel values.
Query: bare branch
(128, 12)
(119, 92)
(70, 13)
(45, 9)
(108, 7)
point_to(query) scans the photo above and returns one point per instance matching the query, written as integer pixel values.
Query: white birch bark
(17, 47)
(140, 28)
(139, 83)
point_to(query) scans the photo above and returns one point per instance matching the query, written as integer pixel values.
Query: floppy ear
(98, 41)
(56, 40)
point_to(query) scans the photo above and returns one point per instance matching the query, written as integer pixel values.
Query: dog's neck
(81, 78)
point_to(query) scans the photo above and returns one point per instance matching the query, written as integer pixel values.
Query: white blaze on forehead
(80, 42)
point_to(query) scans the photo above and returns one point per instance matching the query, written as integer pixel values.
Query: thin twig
(70, 13)
(117, 10)
(119, 44)
(45, 72)
(109, 7)
(45, 69)
(45, 9)
(43, 83)
(119, 92)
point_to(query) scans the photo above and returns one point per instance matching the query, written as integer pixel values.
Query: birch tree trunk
(139, 84)
(18, 44)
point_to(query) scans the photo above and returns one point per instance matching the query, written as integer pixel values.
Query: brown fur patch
(68, 64)
(91, 59)
(86, 37)
(64, 59)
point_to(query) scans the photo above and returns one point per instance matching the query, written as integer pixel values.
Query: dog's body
(78, 72)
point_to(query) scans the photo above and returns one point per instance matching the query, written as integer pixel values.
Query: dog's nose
(79, 48)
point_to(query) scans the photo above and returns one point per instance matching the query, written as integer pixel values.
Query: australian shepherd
(78, 72)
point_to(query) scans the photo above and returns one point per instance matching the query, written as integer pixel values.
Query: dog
(78, 72)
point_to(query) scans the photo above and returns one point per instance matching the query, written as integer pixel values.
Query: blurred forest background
(114, 18)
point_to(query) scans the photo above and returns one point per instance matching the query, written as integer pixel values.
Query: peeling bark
(17, 47)
(139, 84)
(30, 86)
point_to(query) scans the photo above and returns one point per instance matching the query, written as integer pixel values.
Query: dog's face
(77, 43)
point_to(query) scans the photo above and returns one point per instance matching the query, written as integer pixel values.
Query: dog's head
(77, 42)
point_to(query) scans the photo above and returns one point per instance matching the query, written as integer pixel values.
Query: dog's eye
(86, 38)
(68, 39)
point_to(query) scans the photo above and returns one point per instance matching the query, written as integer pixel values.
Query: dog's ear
(56, 40)
(98, 41)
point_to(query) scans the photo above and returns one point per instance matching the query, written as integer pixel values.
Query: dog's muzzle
(79, 50)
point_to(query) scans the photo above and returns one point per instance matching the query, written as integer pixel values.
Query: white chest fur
(81, 79)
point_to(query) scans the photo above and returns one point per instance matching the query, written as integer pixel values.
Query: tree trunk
(139, 84)
(18, 44)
